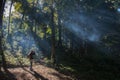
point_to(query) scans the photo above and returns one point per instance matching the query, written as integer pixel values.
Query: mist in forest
(91, 26)
(23, 42)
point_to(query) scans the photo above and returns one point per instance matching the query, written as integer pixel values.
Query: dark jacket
(31, 54)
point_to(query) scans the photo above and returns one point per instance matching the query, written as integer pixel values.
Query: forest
(70, 39)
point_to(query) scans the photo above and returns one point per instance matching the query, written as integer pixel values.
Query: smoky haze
(90, 26)
(20, 42)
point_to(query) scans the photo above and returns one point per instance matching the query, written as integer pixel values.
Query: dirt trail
(40, 73)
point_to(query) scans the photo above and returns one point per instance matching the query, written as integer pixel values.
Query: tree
(53, 33)
(2, 4)
(59, 10)
(10, 16)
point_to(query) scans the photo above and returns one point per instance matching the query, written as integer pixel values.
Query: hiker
(31, 57)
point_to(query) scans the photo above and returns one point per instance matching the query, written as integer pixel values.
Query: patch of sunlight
(41, 35)
(66, 68)
(118, 10)
(8, 46)
(15, 43)
(49, 31)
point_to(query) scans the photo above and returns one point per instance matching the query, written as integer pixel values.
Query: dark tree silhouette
(2, 4)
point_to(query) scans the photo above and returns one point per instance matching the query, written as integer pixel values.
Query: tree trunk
(9, 16)
(60, 31)
(2, 4)
(53, 36)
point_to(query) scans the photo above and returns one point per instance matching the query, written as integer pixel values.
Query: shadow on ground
(6, 75)
(35, 74)
(60, 77)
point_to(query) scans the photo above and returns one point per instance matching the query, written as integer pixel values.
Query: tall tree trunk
(2, 4)
(60, 30)
(37, 3)
(53, 35)
(35, 25)
(10, 16)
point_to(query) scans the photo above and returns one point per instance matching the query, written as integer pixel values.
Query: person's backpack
(31, 55)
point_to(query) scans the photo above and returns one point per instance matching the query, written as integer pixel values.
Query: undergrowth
(16, 59)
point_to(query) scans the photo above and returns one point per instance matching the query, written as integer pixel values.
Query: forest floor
(40, 72)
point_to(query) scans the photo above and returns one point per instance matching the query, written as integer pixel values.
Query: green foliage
(16, 60)
(25, 26)
(114, 3)
(18, 6)
(49, 31)
(30, 1)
